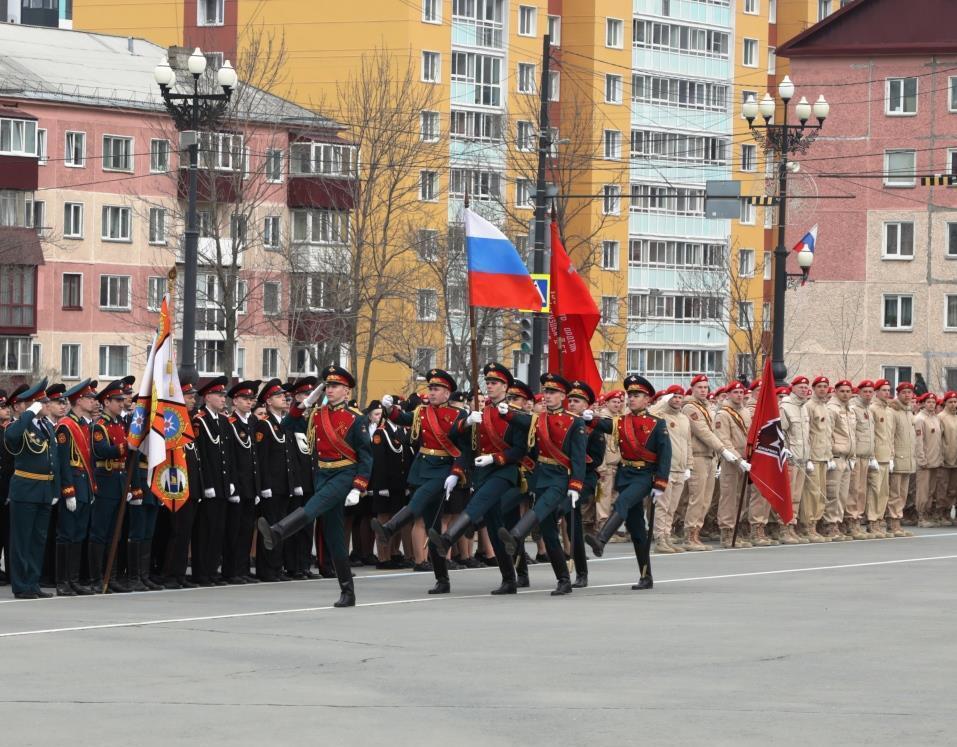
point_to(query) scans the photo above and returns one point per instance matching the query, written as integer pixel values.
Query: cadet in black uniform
(241, 513)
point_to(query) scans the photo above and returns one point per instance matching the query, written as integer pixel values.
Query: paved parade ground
(846, 643)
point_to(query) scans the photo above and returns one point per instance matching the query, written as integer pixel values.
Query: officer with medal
(559, 473)
(343, 460)
(74, 435)
(34, 490)
(645, 468)
(439, 464)
(498, 447)
(241, 512)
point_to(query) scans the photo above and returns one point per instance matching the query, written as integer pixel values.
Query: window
(746, 263)
(675, 363)
(612, 89)
(952, 95)
(237, 228)
(157, 226)
(302, 359)
(159, 156)
(273, 165)
(768, 265)
(750, 58)
(15, 355)
(823, 9)
(475, 125)
(614, 32)
(114, 361)
(272, 232)
(429, 127)
(73, 220)
(42, 147)
(952, 240)
(950, 311)
(680, 39)
(270, 363)
(431, 67)
(40, 216)
(432, 11)
(480, 184)
(427, 248)
(749, 158)
(611, 199)
(526, 20)
(222, 151)
(555, 30)
(899, 168)
(308, 158)
(609, 365)
(427, 305)
(18, 137)
(609, 309)
(769, 217)
(772, 11)
(482, 76)
(612, 145)
(320, 226)
(752, 7)
(744, 365)
(72, 290)
(656, 198)
(271, 295)
(898, 240)
(898, 311)
(554, 85)
(772, 60)
(117, 153)
(523, 193)
(901, 96)
(526, 77)
(679, 93)
(318, 290)
(209, 12)
(70, 360)
(155, 290)
(75, 153)
(423, 361)
(679, 146)
(209, 356)
(747, 213)
(115, 223)
(428, 186)
(896, 374)
(610, 251)
(745, 314)
(745, 95)
(525, 139)
(766, 316)
(115, 292)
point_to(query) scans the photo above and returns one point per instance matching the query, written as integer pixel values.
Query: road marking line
(416, 600)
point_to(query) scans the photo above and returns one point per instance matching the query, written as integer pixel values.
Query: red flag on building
(572, 320)
(769, 455)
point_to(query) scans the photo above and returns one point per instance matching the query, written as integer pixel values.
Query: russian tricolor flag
(808, 240)
(497, 276)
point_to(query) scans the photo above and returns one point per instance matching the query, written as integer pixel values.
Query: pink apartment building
(92, 201)
(884, 297)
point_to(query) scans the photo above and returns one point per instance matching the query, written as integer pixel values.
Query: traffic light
(526, 325)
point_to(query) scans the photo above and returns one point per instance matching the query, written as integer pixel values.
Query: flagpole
(473, 331)
(744, 487)
(171, 290)
(131, 462)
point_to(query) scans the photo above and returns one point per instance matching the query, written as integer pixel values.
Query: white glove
(256, 501)
(809, 467)
(387, 402)
(71, 504)
(352, 499)
(588, 415)
(656, 493)
(892, 465)
(384, 493)
(134, 501)
(233, 499)
(687, 474)
(450, 482)
(474, 418)
(852, 463)
(831, 465)
(209, 493)
(728, 455)
(744, 466)
(55, 501)
(267, 493)
(35, 408)
(297, 491)
(872, 465)
(503, 408)
(574, 495)
(484, 461)
(313, 397)
(232, 488)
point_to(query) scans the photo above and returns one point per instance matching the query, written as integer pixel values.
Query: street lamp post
(784, 139)
(190, 111)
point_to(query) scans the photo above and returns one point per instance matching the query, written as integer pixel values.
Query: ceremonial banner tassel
(768, 453)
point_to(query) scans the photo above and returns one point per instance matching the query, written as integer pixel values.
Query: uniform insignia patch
(694, 416)
(61, 439)
(98, 436)
(259, 436)
(671, 424)
(718, 425)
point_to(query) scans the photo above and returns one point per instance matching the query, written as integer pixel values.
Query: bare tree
(845, 323)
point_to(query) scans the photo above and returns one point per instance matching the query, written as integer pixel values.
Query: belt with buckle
(636, 463)
(434, 452)
(32, 475)
(107, 465)
(336, 464)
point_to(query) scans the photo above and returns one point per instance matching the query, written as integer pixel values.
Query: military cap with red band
(244, 389)
(305, 385)
(498, 372)
(555, 382)
(187, 387)
(581, 390)
(128, 382)
(56, 392)
(903, 386)
(520, 389)
(698, 379)
(35, 393)
(636, 384)
(216, 385)
(16, 394)
(614, 394)
(271, 387)
(799, 380)
(438, 377)
(113, 389)
(85, 388)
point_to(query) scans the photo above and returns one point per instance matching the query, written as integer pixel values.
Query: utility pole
(538, 252)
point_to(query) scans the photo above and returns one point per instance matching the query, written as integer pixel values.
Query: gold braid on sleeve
(614, 427)
(532, 428)
(416, 423)
(311, 429)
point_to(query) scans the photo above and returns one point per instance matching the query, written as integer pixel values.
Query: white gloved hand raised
(728, 455)
(450, 482)
(831, 465)
(474, 418)
(387, 402)
(313, 397)
(872, 465)
(744, 466)
(209, 493)
(35, 408)
(484, 461)
(233, 499)
(71, 504)
(297, 491)
(352, 499)
(503, 408)
(588, 415)
(574, 495)
(656, 493)
(267, 493)
(687, 474)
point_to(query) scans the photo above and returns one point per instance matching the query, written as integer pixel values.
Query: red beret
(614, 394)
(799, 380)
(843, 382)
(699, 378)
(881, 383)
(688, 392)
(735, 386)
(782, 390)
(905, 385)
(927, 395)
(820, 380)
(865, 383)
(949, 395)
(755, 384)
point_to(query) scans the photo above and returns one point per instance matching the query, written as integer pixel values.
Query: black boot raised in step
(597, 542)
(514, 540)
(443, 542)
(385, 532)
(285, 527)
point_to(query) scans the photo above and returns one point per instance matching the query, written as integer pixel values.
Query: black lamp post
(784, 139)
(190, 111)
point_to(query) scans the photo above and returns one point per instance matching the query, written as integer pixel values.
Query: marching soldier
(109, 474)
(843, 448)
(795, 425)
(74, 436)
(613, 405)
(343, 456)
(948, 493)
(931, 480)
(731, 424)
(215, 457)
(439, 464)
(499, 447)
(902, 464)
(241, 514)
(679, 431)
(865, 472)
(645, 469)
(34, 490)
(559, 474)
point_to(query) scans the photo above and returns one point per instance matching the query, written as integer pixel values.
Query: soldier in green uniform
(74, 435)
(34, 490)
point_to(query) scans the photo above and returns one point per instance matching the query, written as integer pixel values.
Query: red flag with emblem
(769, 455)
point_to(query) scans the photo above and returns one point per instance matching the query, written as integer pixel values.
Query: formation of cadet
(278, 471)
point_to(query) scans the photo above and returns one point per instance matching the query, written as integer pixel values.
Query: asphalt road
(845, 643)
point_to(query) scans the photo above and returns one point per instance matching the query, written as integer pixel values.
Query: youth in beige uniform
(731, 424)
(794, 423)
(884, 422)
(819, 460)
(866, 471)
(679, 431)
(614, 403)
(948, 426)
(928, 450)
(759, 510)
(904, 464)
(843, 434)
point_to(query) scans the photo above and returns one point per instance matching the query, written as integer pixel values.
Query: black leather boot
(384, 532)
(75, 554)
(521, 570)
(440, 567)
(597, 543)
(63, 588)
(509, 581)
(289, 525)
(643, 553)
(581, 580)
(146, 553)
(117, 585)
(443, 542)
(133, 560)
(557, 558)
(95, 553)
(515, 539)
(347, 596)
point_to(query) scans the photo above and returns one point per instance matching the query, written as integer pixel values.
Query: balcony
(215, 187)
(19, 168)
(677, 333)
(687, 11)
(470, 32)
(316, 191)
(681, 226)
(19, 257)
